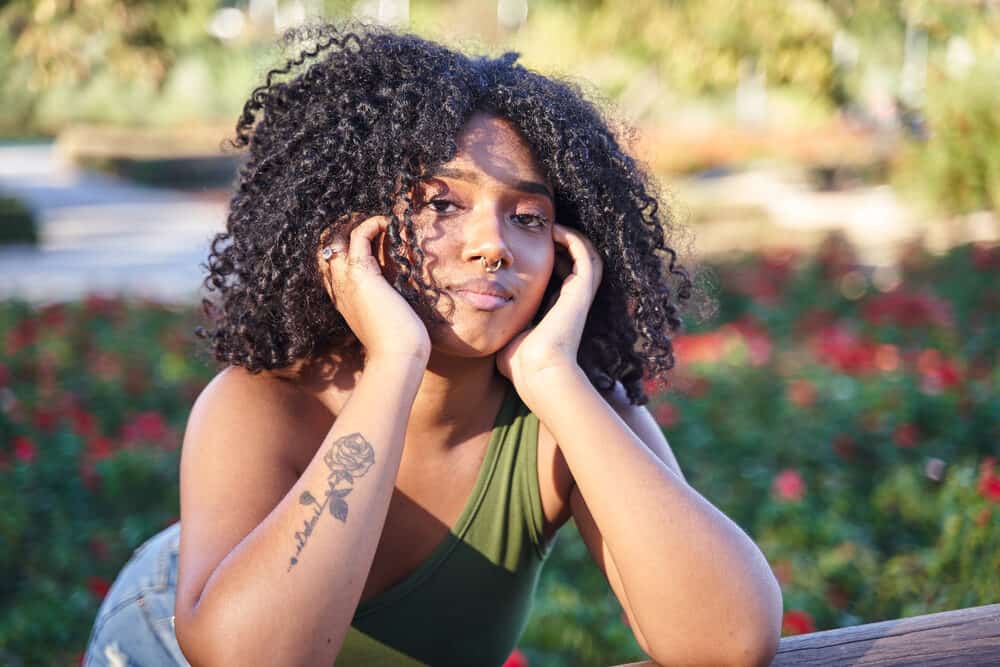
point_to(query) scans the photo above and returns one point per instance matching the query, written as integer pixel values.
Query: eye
(440, 205)
(530, 219)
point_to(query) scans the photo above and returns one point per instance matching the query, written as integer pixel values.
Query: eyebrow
(532, 187)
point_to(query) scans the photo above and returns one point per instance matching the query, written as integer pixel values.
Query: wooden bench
(961, 637)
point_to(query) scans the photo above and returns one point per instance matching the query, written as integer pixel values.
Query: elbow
(189, 639)
(754, 643)
(759, 652)
(195, 637)
(762, 637)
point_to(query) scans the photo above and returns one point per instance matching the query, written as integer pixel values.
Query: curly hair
(369, 113)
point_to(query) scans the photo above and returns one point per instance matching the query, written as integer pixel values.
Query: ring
(330, 251)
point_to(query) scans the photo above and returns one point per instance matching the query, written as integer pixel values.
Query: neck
(458, 399)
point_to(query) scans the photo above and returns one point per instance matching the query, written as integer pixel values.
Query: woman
(443, 284)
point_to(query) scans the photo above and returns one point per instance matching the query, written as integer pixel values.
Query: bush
(957, 169)
(852, 432)
(17, 222)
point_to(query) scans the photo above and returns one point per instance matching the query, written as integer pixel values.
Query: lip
(483, 294)
(480, 300)
(484, 286)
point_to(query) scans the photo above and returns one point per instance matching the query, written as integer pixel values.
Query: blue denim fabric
(134, 626)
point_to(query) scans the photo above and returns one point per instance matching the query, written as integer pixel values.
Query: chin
(467, 344)
(472, 333)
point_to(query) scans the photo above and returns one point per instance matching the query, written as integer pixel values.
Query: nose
(485, 239)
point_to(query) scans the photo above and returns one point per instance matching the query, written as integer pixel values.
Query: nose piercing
(491, 269)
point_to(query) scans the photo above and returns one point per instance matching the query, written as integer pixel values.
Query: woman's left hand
(554, 341)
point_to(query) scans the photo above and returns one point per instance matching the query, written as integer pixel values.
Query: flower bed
(848, 420)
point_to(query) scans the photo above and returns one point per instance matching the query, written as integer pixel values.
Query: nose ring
(491, 269)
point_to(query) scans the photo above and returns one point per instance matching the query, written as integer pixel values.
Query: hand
(378, 315)
(555, 340)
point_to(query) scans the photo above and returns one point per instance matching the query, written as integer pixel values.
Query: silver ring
(329, 252)
(491, 269)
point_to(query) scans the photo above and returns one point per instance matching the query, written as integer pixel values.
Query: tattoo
(351, 456)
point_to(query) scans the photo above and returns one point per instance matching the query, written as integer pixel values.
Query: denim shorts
(134, 626)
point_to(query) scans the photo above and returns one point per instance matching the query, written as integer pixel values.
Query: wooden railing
(961, 637)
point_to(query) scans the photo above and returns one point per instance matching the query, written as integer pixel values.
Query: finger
(359, 252)
(332, 257)
(586, 260)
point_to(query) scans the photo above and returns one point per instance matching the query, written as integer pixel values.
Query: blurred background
(833, 165)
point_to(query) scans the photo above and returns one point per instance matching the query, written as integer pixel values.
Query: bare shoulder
(237, 463)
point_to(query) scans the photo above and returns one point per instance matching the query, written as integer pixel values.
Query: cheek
(538, 267)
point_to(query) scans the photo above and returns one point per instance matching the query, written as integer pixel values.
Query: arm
(286, 592)
(694, 586)
(279, 583)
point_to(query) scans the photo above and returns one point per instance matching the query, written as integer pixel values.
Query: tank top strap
(510, 523)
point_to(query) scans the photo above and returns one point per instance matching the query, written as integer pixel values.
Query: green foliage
(94, 397)
(17, 222)
(851, 432)
(957, 169)
(138, 62)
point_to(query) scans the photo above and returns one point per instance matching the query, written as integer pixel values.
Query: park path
(102, 234)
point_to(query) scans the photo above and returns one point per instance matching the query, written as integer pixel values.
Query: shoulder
(268, 403)
(246, 436)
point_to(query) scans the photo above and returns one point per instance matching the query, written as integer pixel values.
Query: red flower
(516, 659)
(789, 485)
(704, 347)
(98, 304)
(146, 426)
(802, 393)
(99, 447)
(841, 348)
(99, 549)
(756, 338)
(24, 449)
(694, 386)
(986, 256)
(652, 386)
(936, 372)
(887, 358)
(84, 422)
(796, 622)
(90, 477)
(845, 447)
(23, 334)
(906, 435)
(45, 420)
(908, 309)
(667, 415)
(989, 482)
(98, 587)
(52, 316)
(105, 365)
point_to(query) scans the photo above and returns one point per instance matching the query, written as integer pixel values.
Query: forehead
(494, 146)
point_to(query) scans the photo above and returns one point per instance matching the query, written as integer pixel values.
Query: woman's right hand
(378, 315)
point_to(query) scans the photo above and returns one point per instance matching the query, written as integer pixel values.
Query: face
(491, 202)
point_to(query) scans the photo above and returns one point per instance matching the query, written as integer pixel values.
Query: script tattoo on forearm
(350, 457)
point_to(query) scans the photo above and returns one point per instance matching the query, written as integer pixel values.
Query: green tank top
(468, 603)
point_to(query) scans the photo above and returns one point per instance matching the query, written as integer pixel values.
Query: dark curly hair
(351, 125)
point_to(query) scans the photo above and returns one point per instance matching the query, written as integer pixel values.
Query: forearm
(697, 585)
(300, 573)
